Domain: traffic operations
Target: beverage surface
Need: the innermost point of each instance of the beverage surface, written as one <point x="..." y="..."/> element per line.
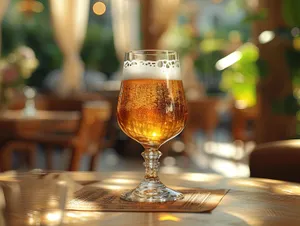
<point x="151" y="111"/>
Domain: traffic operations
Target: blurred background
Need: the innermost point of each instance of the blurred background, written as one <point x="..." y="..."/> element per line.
<point x="61" y="62"/>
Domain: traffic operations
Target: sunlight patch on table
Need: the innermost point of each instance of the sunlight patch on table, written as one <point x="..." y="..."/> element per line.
<point x="169" y="217"/>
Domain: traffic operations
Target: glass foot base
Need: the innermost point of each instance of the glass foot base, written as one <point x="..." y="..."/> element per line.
<point x="152" y="190"/>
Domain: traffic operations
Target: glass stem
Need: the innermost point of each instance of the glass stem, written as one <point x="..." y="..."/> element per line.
<point x="151" y="157"/>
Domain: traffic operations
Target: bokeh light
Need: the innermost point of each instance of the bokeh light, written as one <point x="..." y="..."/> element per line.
<point x="228" y="60"/>
<point x="178" y="146"/>
<point x="99" y="8"/>
<point x="169" y="161"/>
<point x="31" y="6"/>
<point x="169" y="217"/>
<point x="266" y="36"/>
<point x="295" y="31"/>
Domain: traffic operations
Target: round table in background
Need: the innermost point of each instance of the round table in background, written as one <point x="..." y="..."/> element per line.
<point x="249" y="201"/>
<point x="14" y="124"/>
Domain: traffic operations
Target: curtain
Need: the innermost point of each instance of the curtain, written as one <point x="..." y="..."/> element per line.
<point x="69" y="20"/>
<point x="163" y="15"/>
<point x="3" y="7"/>
<point x="157" y="16"/>
<point x="125" y="21"/>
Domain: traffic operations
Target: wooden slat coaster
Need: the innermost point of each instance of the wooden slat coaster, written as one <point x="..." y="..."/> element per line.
<point x="99" y="199"/>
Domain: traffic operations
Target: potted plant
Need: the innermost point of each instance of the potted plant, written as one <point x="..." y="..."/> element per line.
<point x="15" y="69"/>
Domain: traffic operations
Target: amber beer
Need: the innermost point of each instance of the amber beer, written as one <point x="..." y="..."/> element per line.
<point x="151" y="111"/>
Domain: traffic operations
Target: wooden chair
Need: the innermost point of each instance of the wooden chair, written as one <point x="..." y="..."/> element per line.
<point x="11" y="140"/>
<point x="27" y="148"/>
<point x="202" y="114"/>
<point x="88" y="139"/>
<point x="240" y="120"/>
<point x="113" y="130"/>
<point x="276" y="160"/>
<point x="56" y="103"/>
<point x="91" y="135"/>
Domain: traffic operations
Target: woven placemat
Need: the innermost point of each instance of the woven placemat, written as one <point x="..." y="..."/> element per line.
<point x="99" y="199"/>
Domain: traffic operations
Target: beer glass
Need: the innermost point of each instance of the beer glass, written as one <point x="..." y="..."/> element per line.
<point x="151" y="110"/>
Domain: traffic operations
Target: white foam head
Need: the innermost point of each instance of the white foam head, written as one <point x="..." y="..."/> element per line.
<point x="160" y="69"/>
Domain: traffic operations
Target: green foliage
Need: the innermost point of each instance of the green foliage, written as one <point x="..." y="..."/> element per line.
<point x="240" y="79"/>
<point x="293" y="59"/>
<point x="286" y="106"/>
<point x="262" y="67"/>
<point x="205" y="63"/>
<point x="290" y="12"/>
<point x="290" y="105"/>
<point x="180" y="39"/>
<point x="98" y="51"/>
<point x="255" y="16"/>
<point x="298" y="128"/>
<point x="211" y="45"/>
<point x="35" y="33"/>
<point x="235" y="6"/>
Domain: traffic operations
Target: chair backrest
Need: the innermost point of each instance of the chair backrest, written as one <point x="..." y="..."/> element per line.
<point x="91" y="134"/>
<point x="55" y="103"/>
<point x="240" y="120"/>
<point x="202" y="114"/>
<point x="276" y="160"/>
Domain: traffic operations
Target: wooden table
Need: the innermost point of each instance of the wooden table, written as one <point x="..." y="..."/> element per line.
<point x="249" y="201"/>
<point x="40" y="115"/>
<point x="14" y="123"/>
<point x="16" y="127"/>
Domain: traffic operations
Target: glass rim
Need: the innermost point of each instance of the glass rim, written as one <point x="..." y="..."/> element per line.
<point x="152" y="52"/>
